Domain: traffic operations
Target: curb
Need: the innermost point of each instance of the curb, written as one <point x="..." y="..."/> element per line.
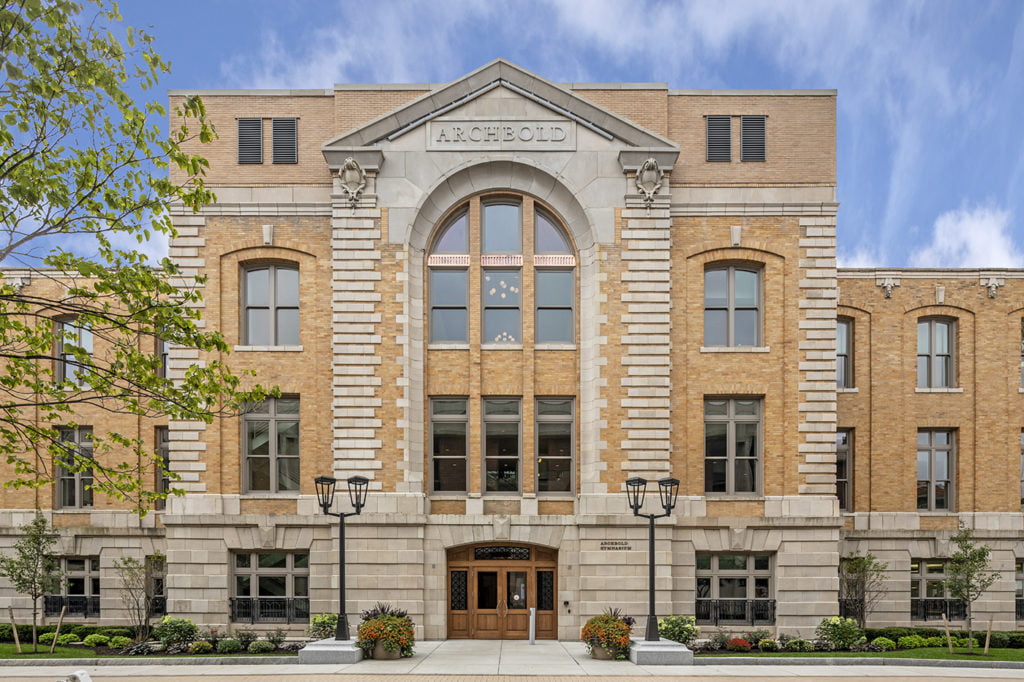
<point x="152" y="660"/>
<point x="810" y="660"/>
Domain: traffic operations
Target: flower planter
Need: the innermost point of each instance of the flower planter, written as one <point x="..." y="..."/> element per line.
<point x="382" y="654"/>
<point x="600" y="653"/>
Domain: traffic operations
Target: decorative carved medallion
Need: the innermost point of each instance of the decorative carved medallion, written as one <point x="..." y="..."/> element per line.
<point x="353" y="180"/>
<point x="992" y="284"/>
<point x="648" y="181"/>
<point x="888" y="284"/>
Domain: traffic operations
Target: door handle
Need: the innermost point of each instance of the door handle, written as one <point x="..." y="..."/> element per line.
<point x="502" y="609"/>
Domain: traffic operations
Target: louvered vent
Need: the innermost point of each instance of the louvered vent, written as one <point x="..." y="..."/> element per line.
<point x="286" y="140"/>
<point x="719" y="138"/>
<point x="753" y="138"/>
<point x="250" y="140"/>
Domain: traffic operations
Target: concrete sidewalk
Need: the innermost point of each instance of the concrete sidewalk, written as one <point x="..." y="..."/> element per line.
<point x="470" y="660"/>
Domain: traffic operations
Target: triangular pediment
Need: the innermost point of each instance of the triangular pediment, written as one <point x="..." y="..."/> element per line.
<point x="471" y="92"/>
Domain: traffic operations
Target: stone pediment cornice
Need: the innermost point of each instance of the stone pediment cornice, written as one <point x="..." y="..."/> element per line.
<point x="498" y="73"/>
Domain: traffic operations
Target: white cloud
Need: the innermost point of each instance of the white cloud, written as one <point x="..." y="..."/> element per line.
<point x="971" y="237"/>
<point x="859" y="258"/>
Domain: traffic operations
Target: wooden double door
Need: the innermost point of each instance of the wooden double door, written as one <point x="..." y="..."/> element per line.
<point x="491" y="589"/>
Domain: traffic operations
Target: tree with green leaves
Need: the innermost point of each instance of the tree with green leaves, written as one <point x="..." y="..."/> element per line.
<point x="33" y="570"/>
<point x="136" y="590"/>
<point x="968" y="575"/>
<point x="861" y="584"/>
<point x="84" y="170"/>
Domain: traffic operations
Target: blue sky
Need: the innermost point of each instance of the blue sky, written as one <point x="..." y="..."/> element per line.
<point x="930" y="155"/>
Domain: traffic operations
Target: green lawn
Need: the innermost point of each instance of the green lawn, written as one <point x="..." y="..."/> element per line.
<point x="8" y="651"/>
<point x="926" y="653"/>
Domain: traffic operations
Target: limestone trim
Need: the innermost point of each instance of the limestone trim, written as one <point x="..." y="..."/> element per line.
<point x="448" y="192"/>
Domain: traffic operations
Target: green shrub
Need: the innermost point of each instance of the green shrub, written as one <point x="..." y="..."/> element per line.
<point x="176" y="631"/>
<point x="757" y="635"/>
<point x="323" y="625"/>
<point x="910" y="642"/>
<point x="768" y="645"/>
<point x="797" y="644"/>
<point x="46" y="638"/>
<point x="1016" y="640"/>
<point x="841" y="633"/>
<point x="84" y="631"/>
<point x="718" y="641"/>
<point x="96" y="640"/>
<point x="229" y="646"/>
<point x="69" y="638"/>
<point x="200" y="647"/>
<point x="276" y="637"/>
<point x="117" y="632"/>
<point x="680" y="629"/>
<point x="884" y="643"/>
<point x="117" y="642"/>
<point x="246" y="637"/>
<point x="1000" y="640"/>
<point x="261" y="647"/>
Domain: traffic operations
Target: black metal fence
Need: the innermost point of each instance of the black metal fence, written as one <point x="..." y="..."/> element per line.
<point x="934" y="609"/>
<point x="735" y="611"/>
<point x="269" y="610"/>
<point x="83" y="607"/>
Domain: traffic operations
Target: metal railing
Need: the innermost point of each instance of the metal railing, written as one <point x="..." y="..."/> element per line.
<point x="934" y="609"/>
<point x="269" y="609"/>
<point x="84" y="607"/>
<point x="746" y="611"/>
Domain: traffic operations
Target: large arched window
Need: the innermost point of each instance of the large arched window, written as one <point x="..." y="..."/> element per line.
<point x="270" y="305"/>
<point x="485" y="241"/>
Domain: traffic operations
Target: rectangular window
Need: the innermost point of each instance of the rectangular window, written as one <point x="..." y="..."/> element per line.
<point x="936" y="460"/>
<point x="449" y="434"/>
<point x="844" y="469"/>
<point x="250" y="140"/>
<point x="163" y="453"/>
<point x="502" y="228"/>
<point x="163" y="350"/>
<point x="719" y="129"/>
<point x="929" y="597"/>
<point x="734" y="588"/>
<point x="80" y="589"/>
<point x="501" y="444"/>
<point x="732" y="448"/>
<point x="1022" y="470"/>
<point x="935" y="344"/>
<point x="502" y="293"/>
<point x="270" y="587"/>
<point x="271" y="442"/>
<point x="74" y="476"/>
<point x="156" y="584"/>
<point x="74" y="352"/>
<point x="449" y="311"/>
<point x="1018" y="577"/>
<point x="271" y="305"/>
<point x="844" y="353"/>
<point x="555" y="438"/>
<point x="286" y="140"/>
<point x="555" y="293"/>
<point x="753" y="138"/>
<point x="732" y="303"/>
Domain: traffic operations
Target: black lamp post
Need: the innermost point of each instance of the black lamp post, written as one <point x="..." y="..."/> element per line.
<point x="357" y="487"/>
<point x="636" y="491"/>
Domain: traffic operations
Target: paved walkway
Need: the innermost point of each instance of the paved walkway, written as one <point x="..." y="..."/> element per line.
<point x="498" y="661"/>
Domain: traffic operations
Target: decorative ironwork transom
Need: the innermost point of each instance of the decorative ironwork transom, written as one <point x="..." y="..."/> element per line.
<point x="458" y="590"/>
<point x="502" y="552"/>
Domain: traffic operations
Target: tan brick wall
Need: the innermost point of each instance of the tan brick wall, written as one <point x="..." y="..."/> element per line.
<point x="887" y="410"/>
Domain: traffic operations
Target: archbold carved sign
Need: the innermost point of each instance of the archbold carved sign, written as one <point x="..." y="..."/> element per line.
<point x="500" y="134"/>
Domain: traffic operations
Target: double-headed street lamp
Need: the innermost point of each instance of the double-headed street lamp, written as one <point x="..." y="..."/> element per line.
<point x="636" y="490"/>
<point x="357" y="487"/>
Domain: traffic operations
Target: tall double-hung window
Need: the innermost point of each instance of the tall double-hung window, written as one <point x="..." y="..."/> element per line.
<point x="74" y="476"/>
<point x="270" y="315"/>
<point x="74" y="351"/>
<point x="935" y="352"/>
<point x="271" y="442"/>
<point x="732" y="305"/>
<point x="732" y="449"/>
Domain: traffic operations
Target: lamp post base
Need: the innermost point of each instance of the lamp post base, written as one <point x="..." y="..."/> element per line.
<point x="341" y="631"/>
<point x="662" y="652"/>
<point x="651" y="632"/>
<point x="331" y="651"/>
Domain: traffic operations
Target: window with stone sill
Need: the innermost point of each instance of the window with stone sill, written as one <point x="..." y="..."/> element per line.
<point x="449" y="434"/>
<point x="732" y="305"/>
<point x="732" y="450"/>
<point x="936" y="344"/>
<point x="1022" y="470"/>
<point x="734" y="587"/>
<point x="74" y="351"/>
<point x="494" y="255"/>
<point x="270" y="305"/>
<point x="929" y="594"/>
<point x="844" y="353"/>
<point x="555" y="439"/>
<point x="271" y="446"/>
<point x="502" y="445"/>
<point x="74" y="481"/>
<point x="936" y="462"/>
<point x="80" y="588"/>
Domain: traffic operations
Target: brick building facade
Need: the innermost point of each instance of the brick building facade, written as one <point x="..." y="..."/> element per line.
<point x="500" y="298"/>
